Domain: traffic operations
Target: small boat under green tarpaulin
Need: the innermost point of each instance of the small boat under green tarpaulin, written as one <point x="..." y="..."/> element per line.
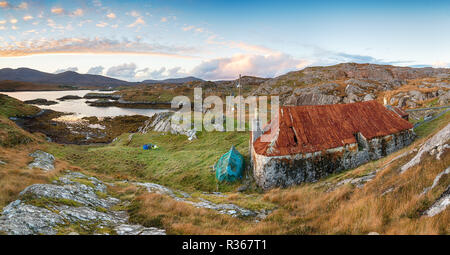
<point x="230" y="166"/>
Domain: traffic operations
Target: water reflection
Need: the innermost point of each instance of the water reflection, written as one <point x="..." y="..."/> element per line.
<point x="79" y="107"/>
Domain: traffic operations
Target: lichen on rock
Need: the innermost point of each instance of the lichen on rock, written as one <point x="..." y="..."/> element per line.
<point x="42" y="160"/>
<point x="74" y="199"/>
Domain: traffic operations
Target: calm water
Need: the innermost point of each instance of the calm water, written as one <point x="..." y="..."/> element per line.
<point x="79" y="107"/>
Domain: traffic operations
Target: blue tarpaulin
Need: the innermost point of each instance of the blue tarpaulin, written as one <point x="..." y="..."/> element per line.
<point x="149" y="146"/>
<point x="230" y="166"/>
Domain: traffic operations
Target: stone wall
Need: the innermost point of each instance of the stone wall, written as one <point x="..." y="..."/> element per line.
<point x="284" y="171"/>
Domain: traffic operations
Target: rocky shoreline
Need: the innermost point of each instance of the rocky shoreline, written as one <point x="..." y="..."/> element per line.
<point x="129" y="104"/>
<point x="65" y="129"/>
<point x="41" y="101"/>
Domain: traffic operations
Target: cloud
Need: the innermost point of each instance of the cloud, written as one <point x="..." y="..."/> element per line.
<point x="139" y="21"/>
<point x="2" y="22"/>
<point x="440" y="64"/>
<point x="84" y="22"/>
<point x="102" y="24"/>
<point x="4" y="4"/>
<point x="51" y="23"/>
<point x="72" y="69"/>
<point x="216" y="69"/>
<point x="159" y="74"/>
<point x="96" y="70"/>
<point x="78" y="12"/>
<point x="188" y="28"/>
<point x="31" y="31"/>
<point x="57" y="10"/>
<point x="130" y="71"/>
<point x="60" y="11"/>
<point x="257" y="65"/>
<point x="322" y="57"/>
<point x="111" y="15"/>
<point x="249" y="48"/>
<point x="135" y="14"/>
<point x="13" y="21"/>
<point x="27" y="17"/>
<point x="193" y="28"/>
<point x="163" y="19"/>
<point x="122" y="71"/>
<point x="8" y="5"/>
<point x="23" y="5"/>
<point x="93" y="46"/>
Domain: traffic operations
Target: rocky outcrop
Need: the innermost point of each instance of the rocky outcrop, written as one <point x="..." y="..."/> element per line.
<point x="351" y="98"/>
<point x="102" y="96"/>
<point x="436" y="180"/>
<point x="40" y="101"/>
<point x="164" y="122"/>
<point x="437" y="144"/>
<point x="351" y="89"/>
<point x="440" y="205"/>
<point x="317" y="95"/>
<point x="413" y="98"/>
<point x="368" y="97"/>
<point x="69" y="97"/>
<point x="19" y="218"/>
<point x="312" y="99"/>
<point x="444" y="98"/>
<point x="42" y="160"/>
<point x="359" y="182"/>
<point x="365" y="84"/>
<point x="360" y="80"/>
<point x="229" y="209"/>
<point x="74" y="199"/>
<point x="126" y="229"/>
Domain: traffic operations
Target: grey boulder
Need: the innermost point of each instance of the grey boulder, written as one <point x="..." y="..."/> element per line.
<point x="42" y="160"/>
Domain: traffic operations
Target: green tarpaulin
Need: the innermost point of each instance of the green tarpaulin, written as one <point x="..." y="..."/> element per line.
<point x="230" y="166"/>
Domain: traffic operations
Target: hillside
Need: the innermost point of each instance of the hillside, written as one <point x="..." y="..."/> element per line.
<point x="350" y="82"/>
<point x="344" y="83"/>
<point x="398" y="194"/>
<point x="30" y="86"/>
<point x="68" y="78"/>
<point x="173" y="80"/>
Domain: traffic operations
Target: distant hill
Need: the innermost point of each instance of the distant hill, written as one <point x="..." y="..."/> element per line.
<point x="174" y="80"/>
<point x="245" y="81"/>
<point x="68" y="78"/>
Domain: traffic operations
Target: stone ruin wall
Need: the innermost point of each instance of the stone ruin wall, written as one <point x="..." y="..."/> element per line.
<point x="283" y="171"/>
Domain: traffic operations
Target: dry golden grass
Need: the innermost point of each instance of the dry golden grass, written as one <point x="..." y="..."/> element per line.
<point x="310" y="209"/>
<point x="15" y="175"/>
<point x="155" y="210"/>
<point x="349" y="210"/>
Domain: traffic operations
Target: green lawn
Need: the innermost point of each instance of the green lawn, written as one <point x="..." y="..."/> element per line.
<point x="430" y="127"/>
<point x="179" y="163"/>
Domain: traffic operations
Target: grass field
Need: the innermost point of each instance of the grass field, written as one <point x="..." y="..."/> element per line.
<point x="178" y="163"/>
<point x="389" y="204"/>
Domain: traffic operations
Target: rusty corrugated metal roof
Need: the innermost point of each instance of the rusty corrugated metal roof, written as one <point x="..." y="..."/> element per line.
<point x="400" y="111"/>
<point x="311" y="128"/>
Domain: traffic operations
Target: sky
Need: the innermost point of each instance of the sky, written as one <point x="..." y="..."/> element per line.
<point x="214" y="40"/>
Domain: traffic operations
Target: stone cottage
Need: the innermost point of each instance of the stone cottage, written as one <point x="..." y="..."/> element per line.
<point x="314" y="141"/>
